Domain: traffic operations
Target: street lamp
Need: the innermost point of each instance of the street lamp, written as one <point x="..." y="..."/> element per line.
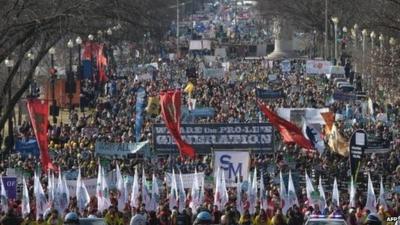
<point x="78" y="42"/>
<point x="53" y="108"/>
<point x="10" y="64"/>
<point x="381" y="40"/>
<point x="372" y="35"/>
<point x="335" y="21"/>
<point x="314" y="43"/>
<point x="354" y="34"/>
<point x="30" y="57"/>
<point x="392" y="43"/>
<point x="90" y="37"/>
<point x="109" y="32"/>
<point x="70" y="75"/>
<point x="364" y="33"/>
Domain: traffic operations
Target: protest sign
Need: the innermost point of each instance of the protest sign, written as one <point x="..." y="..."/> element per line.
<point x="213" y="73"/>
<point x="90" y="184"/>
<point x="10" y="184"/>
<point x="269" y="94"/>
<point x="90" y="131"/>
<point x="233" y="164"/>
<point x="317" y="66"/>
<point x="285" y="66"/>
<point x="341" y="96"/>
<point x="121" y="150"/>
<point x="27" y="148"/>
<point x="357" y="145"/>
<point x="187" y="179"/>
<point x="295" y="115"/>
<point x="203" y="137"/>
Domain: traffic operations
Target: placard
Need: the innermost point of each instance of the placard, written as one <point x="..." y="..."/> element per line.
<point x="205" y="137"/>
<point x="233" y="164"/>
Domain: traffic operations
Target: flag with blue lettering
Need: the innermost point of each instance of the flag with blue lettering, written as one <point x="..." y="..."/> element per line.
<point x="140" y="104"/>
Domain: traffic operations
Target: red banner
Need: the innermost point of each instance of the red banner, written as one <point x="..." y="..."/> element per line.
<point x="290" y="133"/>
<point x="39" y="113"/>
<point x="171" y="113"/>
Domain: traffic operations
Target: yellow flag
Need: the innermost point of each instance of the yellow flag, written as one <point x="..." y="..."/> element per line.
<point x="189" y="88"/>
<point x="337" y="142"/>
<point x="153" y="106"/>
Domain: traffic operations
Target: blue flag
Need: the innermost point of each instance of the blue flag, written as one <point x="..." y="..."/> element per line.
<point x="140" y="104"/>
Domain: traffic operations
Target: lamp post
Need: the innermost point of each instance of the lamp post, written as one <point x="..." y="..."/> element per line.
<point x="70" y="75"/>
<point x="91" y="38"/>
<point x="30" y="57"/>
<point x="364" y="34"/>
<point x="314" y="43"/>
<point x="392" y="43"/>
<point x="381" y="41"/>
<point x="10" y="64"/>
<point x="78" y="42"/>
<point x="177" y="28"/>
<point x="52" y="51"/>
<point x="372" y="35"/>
<point x="354" y="34"/>
<point x="335" y="21"/>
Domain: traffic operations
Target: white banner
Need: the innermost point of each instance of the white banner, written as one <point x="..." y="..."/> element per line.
<point x="233" y="164"/>
<point x="295" y="115"/>
<point x="187" y="179"/>
<point x="317" y="67"/>
<point x="89" y="183"/>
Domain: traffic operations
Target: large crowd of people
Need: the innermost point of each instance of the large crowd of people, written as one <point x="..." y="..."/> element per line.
<point x="111" y="111"/>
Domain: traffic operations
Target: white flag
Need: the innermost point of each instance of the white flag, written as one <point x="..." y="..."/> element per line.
<point x="155" y="194"/>
<point x="292" y="192"/>
<point x="121" y="189"/>
<point x="309" y="190"/>
<point x="253" y="193"/>
<point x="182" y="194"/>
<point x="335" y="194"/>
<point x="322" y="199"/>
<point x="3" y="197"/>
<point x="61" y="195"/>
<point x="195" y="193"/>
<point x="239" y="203"/>
<point x="102" y="191"/>
<point x="352" y="193"/>
<point x="82" y="195"/>
<point x="50" y="186"/>
<point x="217" y="194"/>
<point x="25" y="204"/>
<point x="263" y="194"/>
<point x="145" y="192"/>
<point x="371" y="199"/>
<point x="41" y="201"/>
<point x="135" y="190"/>
<point x="283" y="194"/>
<point x="224" y="191"/>
<point x="173" y="196"/>
<point x="191" y="104"/>
<point x="382" y="200"/>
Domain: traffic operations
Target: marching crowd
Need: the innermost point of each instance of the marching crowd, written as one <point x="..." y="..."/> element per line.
<point x="110" y="110"/>
<point x="234" y="101"/>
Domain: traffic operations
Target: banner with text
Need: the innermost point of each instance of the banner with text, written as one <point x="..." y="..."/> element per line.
<point x="269" y="94"/>
<point x="295" y="115"/>
<point x="121" y="150"/>
<point x="317" y="66"/>
<point x="10" y="184"/>
<point x="27" y="148"/>
<point x="204" y="137"/>
<point x="233" y="164"/>
<point x="187" y="179"/>
<point x="90" y="184"/>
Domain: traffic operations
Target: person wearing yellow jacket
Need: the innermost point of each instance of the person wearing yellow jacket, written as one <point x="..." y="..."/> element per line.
<point x="112" y="218"/>
<point x="262" y="219"/>
<point x="245" y="219"/>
